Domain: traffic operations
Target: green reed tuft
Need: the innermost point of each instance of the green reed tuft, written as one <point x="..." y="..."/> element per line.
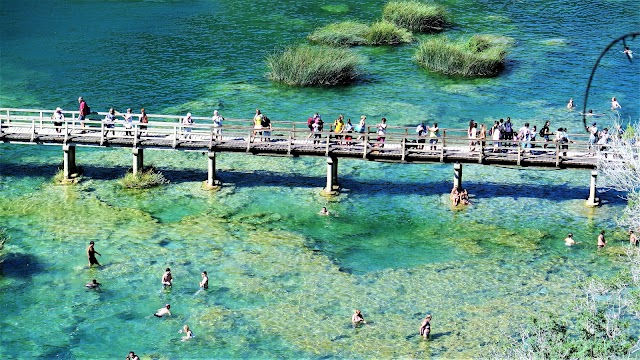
<point x="386" y="33"/>
<point x="346" y="33"/>
<point x="147" y="178"/>
<point x="305" y="65"/>
<point x="480" y="55"/>
<point x="416" y="16"/>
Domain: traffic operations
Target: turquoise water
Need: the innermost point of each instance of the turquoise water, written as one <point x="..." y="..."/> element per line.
<point x="283" y="280"/>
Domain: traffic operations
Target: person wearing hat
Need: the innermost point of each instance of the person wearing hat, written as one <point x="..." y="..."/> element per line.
<point x="187" y="121"/>
<point x="58" y="119"/>
<point x="91" y="254"/>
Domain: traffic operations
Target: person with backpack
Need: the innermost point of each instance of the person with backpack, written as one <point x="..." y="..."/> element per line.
<point x="508" y="131"/>
<point x="266" y="128"/>
<point x="545" y="132"/>
<point x="83" y="111"/>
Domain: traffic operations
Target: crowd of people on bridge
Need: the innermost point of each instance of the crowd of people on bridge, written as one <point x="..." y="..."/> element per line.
<point x="502" y="134"/>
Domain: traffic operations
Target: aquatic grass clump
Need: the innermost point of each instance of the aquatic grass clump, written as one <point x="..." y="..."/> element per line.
<point x="4" y="237"/>
<point x="416" y="16"/>
<point x="346" y="33"/>
<point x="305" y="65"/>
<point x="480" y="55"/>
<point x="59" y="179"/>
<point x="386" y="33"/>
<point x="147" y="178"/>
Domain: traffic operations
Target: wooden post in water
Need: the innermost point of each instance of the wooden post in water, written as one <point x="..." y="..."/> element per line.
<point x="69" y="160"/>
<point x="457" y="176"/>
<point x="212" y="182"/>
<point x="332" y="175"/>
<point x="593" y="200"/>
<point x="138" y="160"/>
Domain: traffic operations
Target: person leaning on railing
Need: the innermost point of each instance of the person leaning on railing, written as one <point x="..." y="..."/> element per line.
<point x="562" y="139"/>
<point x="58" y="119"/>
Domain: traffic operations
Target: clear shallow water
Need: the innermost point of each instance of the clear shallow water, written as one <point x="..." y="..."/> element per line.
<point x="284" y="281"/>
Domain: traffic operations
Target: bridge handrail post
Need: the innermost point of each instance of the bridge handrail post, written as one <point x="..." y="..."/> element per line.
<point x="365" y="143"/>
<point x="326" y="150"/>
<point x="41" y="116"/>
<point x="518" y="144"/>
<point x="557" y="154"/>
<point x="290" y="140"/>
<point x="210" y="139"/>
<point x="136" y="134"/>
<point x="481" y="154"/>
<point x="102" y="133"/>
<point x="1" y="131"/>
<point x="33" y="129"/>
<point x="249" y="140"/>
<point x="66" y="132"/>
<point x="175" y="136"/>
<point x="403" y="146"/>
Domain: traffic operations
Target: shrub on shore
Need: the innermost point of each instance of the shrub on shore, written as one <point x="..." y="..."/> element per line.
<point x="147" y="178"/>
<point x="480" y="55"/>
<point x="386" y="33"/>
<point x="306" y="65"/>
<point x="346" y="33"/>
<point x="416" y="16"/>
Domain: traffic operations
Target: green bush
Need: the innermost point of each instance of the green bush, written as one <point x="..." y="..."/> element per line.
<point x="480" y="55"/>
<point x="416" y="16"/>
<point x="346" y="33"/>
<point x="147" y="178"/>
<point x="306" y="65"/>
<point x="386" y="33"/>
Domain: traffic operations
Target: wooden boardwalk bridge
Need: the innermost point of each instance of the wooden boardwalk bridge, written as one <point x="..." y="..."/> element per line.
<point x="285" y="138"/>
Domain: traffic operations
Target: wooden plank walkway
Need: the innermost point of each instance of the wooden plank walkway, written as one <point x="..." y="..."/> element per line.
<point x="401" y="144"/>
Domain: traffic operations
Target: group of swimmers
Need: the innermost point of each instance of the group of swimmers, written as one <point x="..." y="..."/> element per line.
<point x="357" y="319"/>
<point x="458" y="196"/>
<point x="601" y="241"/>
<point x="166" y="281"/>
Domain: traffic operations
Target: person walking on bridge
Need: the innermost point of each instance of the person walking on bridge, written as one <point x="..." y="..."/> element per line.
<point x="58" y="119"/>
<point x="217" y="124"/>
<point x="83" y="111"/>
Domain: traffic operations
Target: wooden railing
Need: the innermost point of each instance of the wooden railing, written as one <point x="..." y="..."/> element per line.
<point x="292" y="138"/>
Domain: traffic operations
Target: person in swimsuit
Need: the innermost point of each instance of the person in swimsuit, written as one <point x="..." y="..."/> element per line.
<point x="614" y="104"/>
<point x="569" y="240"/>
<point x="188" y="334"/>
<point x="163" y="311"/>
<point x="93" y="284"/>
<point x="324" y="211"/>
<point x="570" y="105"/>
<point x="91" y="254"/>
<point x="633" y="238"/>
<point x="205" y="281"/>
<point x="425" y="328"/>
<point x="132" y="356"/>
<point x="357" y="318"/>
<point x="167" y="278"/>
<point x="602" y="242"/>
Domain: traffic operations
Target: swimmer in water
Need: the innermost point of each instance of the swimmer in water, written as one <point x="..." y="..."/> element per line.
<point x="569" y="240"/>
<point x="188" y="334"/>
<point x="614" y="104"/>
<point x="628" y="52"/>
<point x="91" y="254"/>
<point x="324" y="211"/>
<point x="570" y="105"/>
<point x="425" y="328"/>
<point x="93" y="284"/>
<point x="357" y="318"/>
<point x="163" y="311"/>
<point x="601" y="240"/>
<point x="132" y="356"/>
<point x="205" y="281"/>
<point x="167" y="278"/>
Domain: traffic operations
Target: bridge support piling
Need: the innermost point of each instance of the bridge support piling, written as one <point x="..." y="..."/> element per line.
<point x="593" y="200"/>
<point x="212" y="182"/>
<point x="457" y="176"/>
<point x="332" y="176"/>
<point x="69" y="160"/>
<point x="138" y="160"/>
